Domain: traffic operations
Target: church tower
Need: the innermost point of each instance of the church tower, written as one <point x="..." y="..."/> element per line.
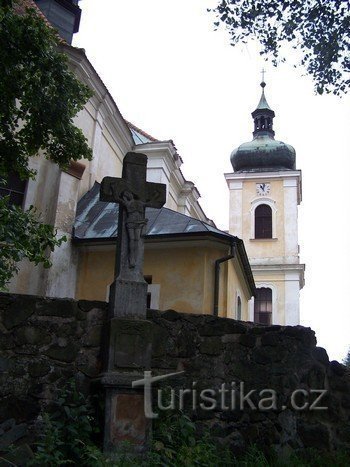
<point x="265" y="191"/>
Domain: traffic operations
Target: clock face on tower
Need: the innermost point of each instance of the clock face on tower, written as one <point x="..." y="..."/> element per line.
<point x="263" y="189"/>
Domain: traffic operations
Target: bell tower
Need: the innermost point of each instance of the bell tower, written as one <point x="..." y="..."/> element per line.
<point x="64" y="15"/>
<point x="265" y="191"/>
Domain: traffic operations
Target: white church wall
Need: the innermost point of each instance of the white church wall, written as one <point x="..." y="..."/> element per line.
<point x="291" y="220"/>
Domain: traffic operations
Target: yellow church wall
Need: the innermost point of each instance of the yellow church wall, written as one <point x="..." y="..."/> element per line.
<point x="95" y="274"/>
<point x="185" y="276"/>
<point x="237" y="287"/>
<point x="181" y="276"/>
<point x="263" y="248"/>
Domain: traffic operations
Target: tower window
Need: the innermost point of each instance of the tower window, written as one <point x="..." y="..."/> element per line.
<point x="15" y="188"/>
<point x="263" y="221"/>
<point x="239" y="308"/>
<point x="263" y="306"/>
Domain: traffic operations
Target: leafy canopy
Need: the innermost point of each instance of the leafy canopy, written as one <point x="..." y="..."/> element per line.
<point x="318" y="28"/>
<point x="39" y="98"/>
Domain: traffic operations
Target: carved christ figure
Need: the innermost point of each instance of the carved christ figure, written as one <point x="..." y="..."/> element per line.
<point x="135" y="221"/>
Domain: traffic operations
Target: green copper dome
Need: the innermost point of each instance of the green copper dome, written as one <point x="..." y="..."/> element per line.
<point x="263" y="153"/>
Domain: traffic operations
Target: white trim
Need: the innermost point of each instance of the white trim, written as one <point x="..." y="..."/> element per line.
<point x="154" y="290"/>
<point x="236" y="214"/>
<point x="263" y="175"/>
<point x="257" y="202"/>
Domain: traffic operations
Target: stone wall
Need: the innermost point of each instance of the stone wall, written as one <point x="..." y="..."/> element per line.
<point x="44" y="342"/>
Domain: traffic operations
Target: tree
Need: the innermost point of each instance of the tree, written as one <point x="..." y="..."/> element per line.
<point x="347" y="359"/>
<point x="39" y="98"/>
<point x="318" y="28"/>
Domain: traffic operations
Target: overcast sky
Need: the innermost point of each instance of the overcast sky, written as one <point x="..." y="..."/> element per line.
<point x="174" y="77"/>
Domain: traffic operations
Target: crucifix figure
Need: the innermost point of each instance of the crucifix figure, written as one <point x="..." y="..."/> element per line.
<point x="135" y="220"/>
<point x="134" y="194"/>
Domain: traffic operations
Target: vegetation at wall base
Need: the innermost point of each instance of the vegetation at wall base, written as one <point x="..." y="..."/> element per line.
<point x="69" y="438"/>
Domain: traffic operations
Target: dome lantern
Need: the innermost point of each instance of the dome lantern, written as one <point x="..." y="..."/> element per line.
<point x="263" y="153"/>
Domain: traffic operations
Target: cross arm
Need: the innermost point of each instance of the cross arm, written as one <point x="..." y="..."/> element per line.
<point x="155" y="195"/>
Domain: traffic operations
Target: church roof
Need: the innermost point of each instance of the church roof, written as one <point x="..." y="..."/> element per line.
<point x="140" y="136"/>
<point x="263" y="153"/>
<point x="96" y="222"/>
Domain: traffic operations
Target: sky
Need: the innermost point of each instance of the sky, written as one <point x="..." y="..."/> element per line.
<point x="176" y="78"/>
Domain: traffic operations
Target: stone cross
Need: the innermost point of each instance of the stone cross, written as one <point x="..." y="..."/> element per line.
<point x="129" y="340"/>
<point x="134" y="194"/>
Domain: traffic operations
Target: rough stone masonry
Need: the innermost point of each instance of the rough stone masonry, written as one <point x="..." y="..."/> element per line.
<point x="44" y="342"/>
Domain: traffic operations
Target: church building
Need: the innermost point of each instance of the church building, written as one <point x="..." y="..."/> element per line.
<point x="265" y="191"/>
<point x="190" y="265"/>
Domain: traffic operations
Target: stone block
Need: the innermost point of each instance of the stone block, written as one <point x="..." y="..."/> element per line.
<point x="59" y="308"/>
<point x="32" y="335"/>
<point x="18" y="311"/>
<point x="93" y="336"/>
<point x="67" y="353"/>
<point x="313" y="435"/>
<point x="87" y="305"/>
<point x="125" y="421"/>
<point x="18" y="457"/>
<point x="270" y="339"/>
<point x="337" y="368"/>
<point x="247" y="340"/>
<point x="130" y="344"/>
<point x="320" y="355"/>
<point x="38" y="369"/>
<point x="10" y="432"/>
<point x="211" y="346"/>
<point x="171" y="315"/>
<point x="222" y="326"/>
<point x="160" y="338"/>
<point x="120" y="304"/>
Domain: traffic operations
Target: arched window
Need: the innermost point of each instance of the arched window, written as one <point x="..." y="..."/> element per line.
<point x="263" y="221"/>
<point x="239" y="308"/>
<point x="263" y="306"/>
<point x="13" y="187"/>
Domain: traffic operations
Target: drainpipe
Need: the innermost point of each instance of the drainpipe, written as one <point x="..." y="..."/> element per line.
<point x="217" y="277"/>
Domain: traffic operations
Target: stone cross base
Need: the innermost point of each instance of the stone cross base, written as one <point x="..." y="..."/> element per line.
<point x="126" y="426"/>
<point x="128" y="355"/>
<point x="128" y="298"/>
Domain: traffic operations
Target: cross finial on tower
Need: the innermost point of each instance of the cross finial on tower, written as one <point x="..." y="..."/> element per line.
<point x="263" y="84"/>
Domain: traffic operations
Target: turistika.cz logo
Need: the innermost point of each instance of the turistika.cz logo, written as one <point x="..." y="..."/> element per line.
<point x="229" y="396"/>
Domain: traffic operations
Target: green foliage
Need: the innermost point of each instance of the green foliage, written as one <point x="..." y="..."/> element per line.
<point x="347" y="359"/>
<point x="67" y="439"/>
<point x="318" y="28"/>
<point x="39" y="96"/>
<point x="23" y="236"/>
<point x="175" y="443"/>
<point x="68" y="432"/>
